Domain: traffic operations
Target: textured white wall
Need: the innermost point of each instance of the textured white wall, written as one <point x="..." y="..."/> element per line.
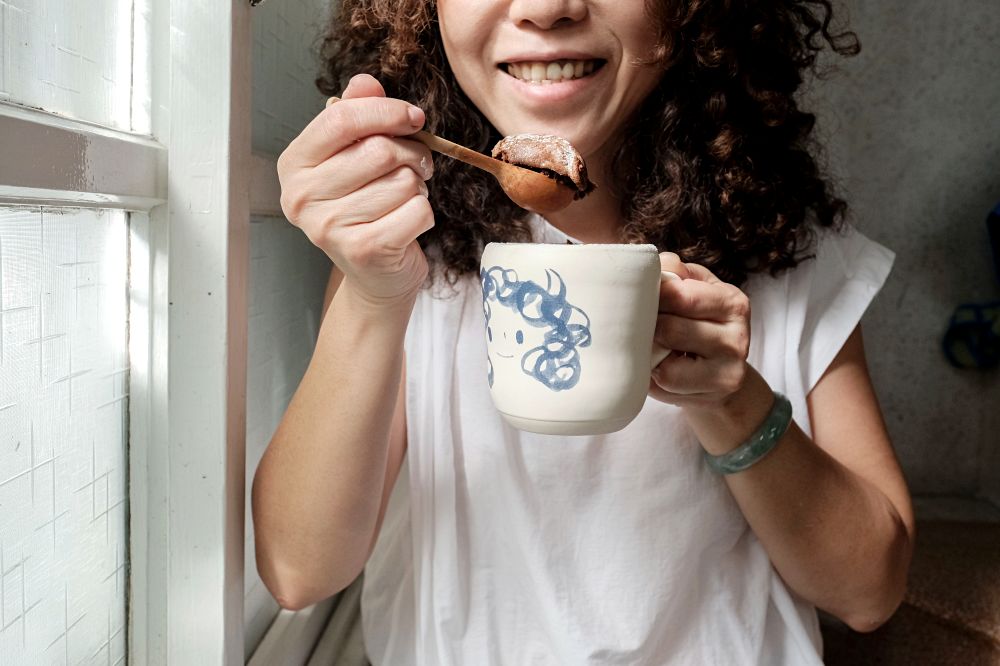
<point x="913" y="129"/>
<point x="63" y="402"/>
<point x="284" y="67"/>
<point x="287" y="273"/>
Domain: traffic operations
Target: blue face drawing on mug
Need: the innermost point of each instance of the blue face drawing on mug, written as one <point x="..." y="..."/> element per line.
<point x="548" y="330"/>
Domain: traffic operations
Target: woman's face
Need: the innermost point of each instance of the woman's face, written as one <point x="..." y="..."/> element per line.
<point x="564" y="67"/>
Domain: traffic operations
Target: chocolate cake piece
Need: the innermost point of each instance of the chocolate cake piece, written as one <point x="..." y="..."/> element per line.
<point x="552" y="155"/>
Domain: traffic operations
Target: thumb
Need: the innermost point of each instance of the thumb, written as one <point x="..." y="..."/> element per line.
<point x="363" y="85"/>
<point x="672" y="263"/>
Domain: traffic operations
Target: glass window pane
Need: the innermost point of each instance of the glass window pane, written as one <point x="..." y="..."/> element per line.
<point x="63" y="433"/>
<point x="75" y="58"/>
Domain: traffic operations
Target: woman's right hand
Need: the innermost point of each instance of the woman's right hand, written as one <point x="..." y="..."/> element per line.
<point x="355" y="186"/>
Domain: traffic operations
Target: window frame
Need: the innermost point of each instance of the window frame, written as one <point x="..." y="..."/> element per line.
<point x="188" y="264"/>
<point x="188" y="408"/>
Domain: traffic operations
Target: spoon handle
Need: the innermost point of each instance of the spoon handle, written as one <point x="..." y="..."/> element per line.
<point x="459" y="152"/>
<point x="451" y="149"/>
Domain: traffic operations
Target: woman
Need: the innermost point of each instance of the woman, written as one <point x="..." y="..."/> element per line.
<point x="482" y="544"/>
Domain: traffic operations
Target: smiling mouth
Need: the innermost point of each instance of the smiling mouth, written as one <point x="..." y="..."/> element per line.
<point x="505" y="355"/>
<point x="548" y="72"/>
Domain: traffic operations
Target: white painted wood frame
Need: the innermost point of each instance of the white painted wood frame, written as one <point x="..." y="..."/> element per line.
<point x="187" y="345"/>
<point x="188" y="348"/>
<point x="52" y="160"/>
<point x="292" y="637"/>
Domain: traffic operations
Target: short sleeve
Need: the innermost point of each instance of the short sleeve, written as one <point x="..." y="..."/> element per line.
<point x="832" y="294"/>
<point x="801" y="318"/>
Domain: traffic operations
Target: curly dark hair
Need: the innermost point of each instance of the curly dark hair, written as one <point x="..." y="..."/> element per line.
<point x="717" y="163"/>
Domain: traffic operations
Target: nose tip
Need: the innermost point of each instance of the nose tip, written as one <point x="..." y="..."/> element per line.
<point x="548" y="14"/>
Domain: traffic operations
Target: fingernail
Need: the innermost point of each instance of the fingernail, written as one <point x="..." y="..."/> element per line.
<point x="416" y="116"/>
<point x="350" y="83"/>
<point x="426" y="169"/>
<point x="667" y="275"/>
<point x="423" y="189"/>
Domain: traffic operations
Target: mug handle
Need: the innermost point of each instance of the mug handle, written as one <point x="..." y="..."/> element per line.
<point x="660" y="353"/>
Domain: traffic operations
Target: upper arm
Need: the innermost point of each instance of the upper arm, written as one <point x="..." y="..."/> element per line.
<point x="853" y="431"/>
<point x="397" y="430"/>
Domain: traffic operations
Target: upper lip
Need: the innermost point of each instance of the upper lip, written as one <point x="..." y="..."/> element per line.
<point x="544" y="56"/>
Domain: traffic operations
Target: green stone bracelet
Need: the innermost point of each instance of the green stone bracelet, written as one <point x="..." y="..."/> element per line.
<point x="759" y="443"/>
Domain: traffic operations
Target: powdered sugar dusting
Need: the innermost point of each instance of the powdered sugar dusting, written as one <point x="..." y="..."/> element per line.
<point x="545" y="151"/>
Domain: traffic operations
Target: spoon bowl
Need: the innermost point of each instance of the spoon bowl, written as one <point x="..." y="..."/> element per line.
<point x="529" y="189"/>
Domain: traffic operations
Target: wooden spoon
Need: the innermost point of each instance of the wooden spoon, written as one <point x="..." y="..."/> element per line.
<point x="528" y="189"/>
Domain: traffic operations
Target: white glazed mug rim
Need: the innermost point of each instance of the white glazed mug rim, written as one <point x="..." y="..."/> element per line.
<point x="578" y="247"/>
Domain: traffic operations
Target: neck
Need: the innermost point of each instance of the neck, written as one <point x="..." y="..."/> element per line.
<point x="597" y="217"/>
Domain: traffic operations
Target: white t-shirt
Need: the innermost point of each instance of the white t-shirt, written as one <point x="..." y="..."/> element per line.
<point x="506" y="547"/>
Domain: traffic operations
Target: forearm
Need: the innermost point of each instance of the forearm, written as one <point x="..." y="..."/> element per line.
<point x="833" y="537"/>
<point x="318" y="488"/>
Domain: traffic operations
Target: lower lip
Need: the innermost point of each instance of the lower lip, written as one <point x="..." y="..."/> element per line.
<point x="549" y="93"/>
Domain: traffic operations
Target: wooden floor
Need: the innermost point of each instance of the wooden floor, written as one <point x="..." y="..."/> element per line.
<point x="951" y="614"/>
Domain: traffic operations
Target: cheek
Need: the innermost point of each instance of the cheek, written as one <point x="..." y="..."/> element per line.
<point x="452" y="39"/>
<point x="635" y="29"/>
<point x="454" y="35"/>
<point x="635" y="26"/>
<point x="465" y="29"/>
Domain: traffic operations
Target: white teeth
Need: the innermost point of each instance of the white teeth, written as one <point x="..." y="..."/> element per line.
<point x="550" y="72"/>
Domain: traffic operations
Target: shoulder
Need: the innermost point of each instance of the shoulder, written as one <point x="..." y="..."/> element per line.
<point x="805" y="315"/>
<point x="848" y="254"/>
<point x="836" y="259"/>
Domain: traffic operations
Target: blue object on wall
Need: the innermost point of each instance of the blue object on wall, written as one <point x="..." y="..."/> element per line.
<point x="993" y="228"/>
<point x="973" y="336"/>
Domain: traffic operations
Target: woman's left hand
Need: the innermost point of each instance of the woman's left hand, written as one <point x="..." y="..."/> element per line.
<point x="706" y="324"/>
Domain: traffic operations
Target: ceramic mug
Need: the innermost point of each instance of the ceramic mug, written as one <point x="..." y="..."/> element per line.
<point x="569" y="332"/>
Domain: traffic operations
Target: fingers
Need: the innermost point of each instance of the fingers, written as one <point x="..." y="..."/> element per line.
<point x="365" y="161"/>
<point x="368" y="245"/>
<point x="380" y="245"/>
<point x="340" y="125"/>
<point x="699" y="272"/>
<point x="386" y="214"/>
<point x="399" y="228"/>
<point x="709" y="321"/>
<point x="696" y="299"/>
<point x="377" y="198"/>
<point x="685" y="376"/>
<point x="363" y="85"/>
<point x="705" y="338"/>
<point x="672" y="263"/>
